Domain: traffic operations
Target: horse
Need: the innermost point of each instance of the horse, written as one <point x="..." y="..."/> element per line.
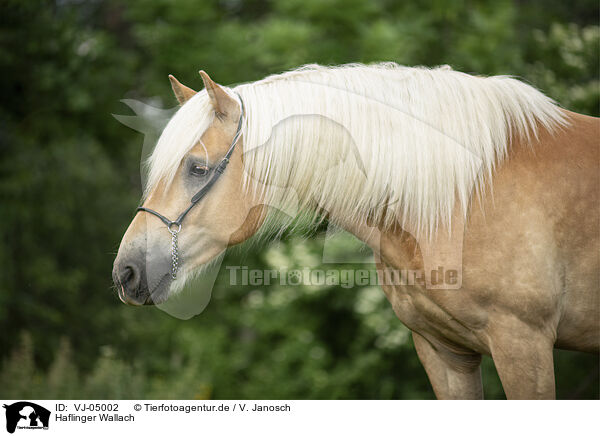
<point x="431" y="168"/>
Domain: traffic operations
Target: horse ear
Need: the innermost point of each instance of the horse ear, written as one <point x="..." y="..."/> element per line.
<point x="182" y="92"/>
<point x="222" y="103"/>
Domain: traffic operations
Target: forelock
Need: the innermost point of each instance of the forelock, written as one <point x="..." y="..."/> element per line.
<point x="182" y="132"/>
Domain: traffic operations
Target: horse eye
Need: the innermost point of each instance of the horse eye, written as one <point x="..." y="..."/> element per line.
<point x="199" y="170"/>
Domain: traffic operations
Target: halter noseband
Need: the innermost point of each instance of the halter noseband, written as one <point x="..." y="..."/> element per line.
<point x="174" y="227"/>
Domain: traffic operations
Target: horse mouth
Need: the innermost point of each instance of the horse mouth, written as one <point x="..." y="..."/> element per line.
<point x="122" y="293"/>
<point x="149" y="301"/>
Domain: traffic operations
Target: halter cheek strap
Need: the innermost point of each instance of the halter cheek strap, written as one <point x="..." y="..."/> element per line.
<point x="174" y="227"/>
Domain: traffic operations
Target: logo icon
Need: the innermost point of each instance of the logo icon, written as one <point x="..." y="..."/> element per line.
<point x="26" y="415"/>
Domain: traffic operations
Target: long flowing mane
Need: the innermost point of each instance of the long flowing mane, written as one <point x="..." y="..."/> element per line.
<point x="381" y="142"/>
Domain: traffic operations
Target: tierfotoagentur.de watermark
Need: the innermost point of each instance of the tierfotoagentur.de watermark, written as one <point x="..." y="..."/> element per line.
<point x="345" y="278"/>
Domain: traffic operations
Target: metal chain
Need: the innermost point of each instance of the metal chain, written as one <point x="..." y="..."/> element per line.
<point x="174" y="252"/>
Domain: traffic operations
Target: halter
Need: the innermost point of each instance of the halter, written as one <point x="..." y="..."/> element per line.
<point x="174" y="227"/>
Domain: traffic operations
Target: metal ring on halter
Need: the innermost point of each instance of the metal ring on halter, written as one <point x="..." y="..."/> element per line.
<point x="174" y="223"/>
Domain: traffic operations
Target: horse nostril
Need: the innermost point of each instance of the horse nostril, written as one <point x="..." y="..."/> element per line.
<point x="127" y="274"/>
<point x="129" y="277"/>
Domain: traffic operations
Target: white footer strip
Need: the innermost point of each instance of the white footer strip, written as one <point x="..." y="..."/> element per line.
<point x="297" y="417"/>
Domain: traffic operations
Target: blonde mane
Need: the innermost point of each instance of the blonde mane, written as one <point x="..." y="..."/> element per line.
<point x="380" y="142"/>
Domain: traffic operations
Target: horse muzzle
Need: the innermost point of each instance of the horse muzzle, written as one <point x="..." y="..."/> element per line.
<point x="131" y="282"/>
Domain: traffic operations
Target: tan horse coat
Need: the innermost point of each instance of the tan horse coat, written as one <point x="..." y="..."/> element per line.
<point x="530" y="272"/>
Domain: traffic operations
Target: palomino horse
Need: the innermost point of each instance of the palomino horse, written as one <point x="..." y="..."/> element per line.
<point x="481" y="176"/>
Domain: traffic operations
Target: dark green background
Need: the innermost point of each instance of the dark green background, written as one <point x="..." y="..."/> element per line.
<point x="69" y="181"/>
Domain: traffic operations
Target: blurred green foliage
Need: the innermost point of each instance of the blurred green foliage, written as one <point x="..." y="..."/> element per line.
<point x="69" y="181"/>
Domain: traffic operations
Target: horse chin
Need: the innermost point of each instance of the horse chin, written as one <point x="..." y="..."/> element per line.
<point x="161" y="291"/>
